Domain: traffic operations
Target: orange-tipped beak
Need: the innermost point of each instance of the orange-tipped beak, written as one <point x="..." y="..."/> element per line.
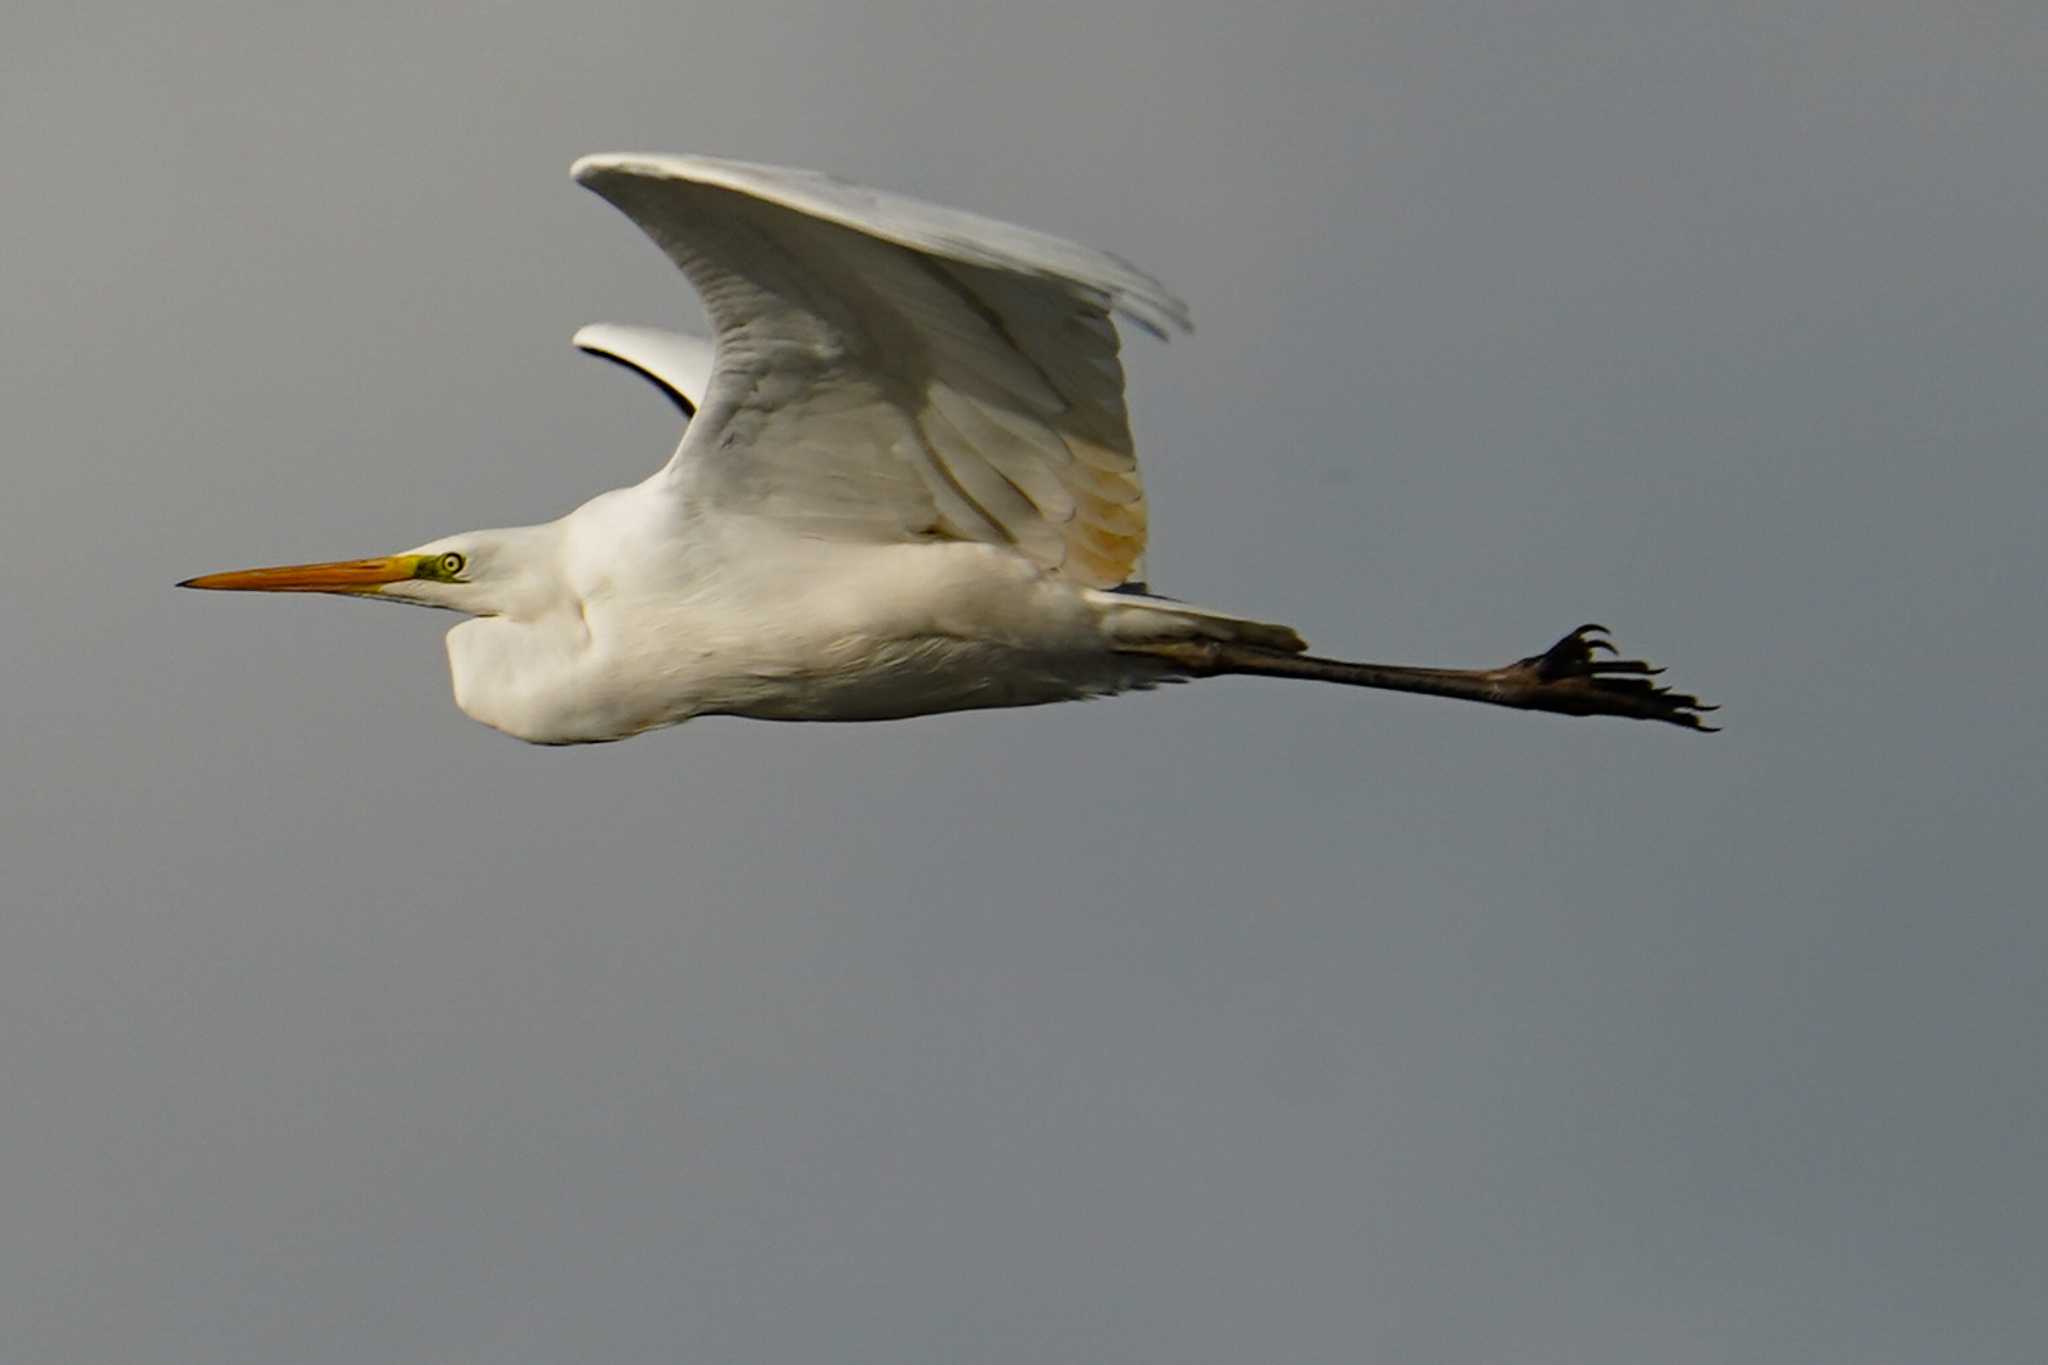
<point x="342" y="575"/>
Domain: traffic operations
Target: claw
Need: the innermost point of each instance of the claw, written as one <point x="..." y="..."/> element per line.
<point x="1570" y="678"/>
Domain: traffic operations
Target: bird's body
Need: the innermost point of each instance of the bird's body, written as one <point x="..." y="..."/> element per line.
<point x="649" y="617"/>
<point x="748" y="621"/>
<point x="908" y="486"/>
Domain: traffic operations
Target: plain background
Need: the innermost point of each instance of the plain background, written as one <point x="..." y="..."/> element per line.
<point x="1246" y="1022"/>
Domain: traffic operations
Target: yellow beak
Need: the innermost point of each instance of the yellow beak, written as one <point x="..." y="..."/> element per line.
<point x="341" y="575"/>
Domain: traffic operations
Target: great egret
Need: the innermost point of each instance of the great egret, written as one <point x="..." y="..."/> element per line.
<point x="910" y="487"/>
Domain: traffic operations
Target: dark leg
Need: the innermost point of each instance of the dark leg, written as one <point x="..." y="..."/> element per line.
<point x="1568" y="678"/>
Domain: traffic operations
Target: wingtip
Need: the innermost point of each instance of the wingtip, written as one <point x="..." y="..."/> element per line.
<point x="1142" y="298"/>
<point x="1164" y="320"/>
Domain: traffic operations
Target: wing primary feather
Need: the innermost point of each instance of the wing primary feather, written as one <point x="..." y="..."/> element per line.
<point x="914" y="223"/>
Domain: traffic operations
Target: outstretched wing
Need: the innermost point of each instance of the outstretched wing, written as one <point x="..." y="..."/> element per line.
<point x="889" y="370"/>
<point x="674" y="362"/>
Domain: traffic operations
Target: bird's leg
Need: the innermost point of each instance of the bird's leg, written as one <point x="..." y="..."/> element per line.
<point x="1570" y="678"/>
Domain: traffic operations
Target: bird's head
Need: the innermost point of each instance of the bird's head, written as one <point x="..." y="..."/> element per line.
<point x="483" y="573"/>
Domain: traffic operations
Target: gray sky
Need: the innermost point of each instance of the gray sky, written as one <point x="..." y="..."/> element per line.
<point x="1247" y="1022"/>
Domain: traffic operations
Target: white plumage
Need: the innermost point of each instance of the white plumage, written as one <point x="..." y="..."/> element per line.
<point x="909" y="486"/>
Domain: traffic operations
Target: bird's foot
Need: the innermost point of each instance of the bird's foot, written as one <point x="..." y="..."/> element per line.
<point x="1572" y="678"/>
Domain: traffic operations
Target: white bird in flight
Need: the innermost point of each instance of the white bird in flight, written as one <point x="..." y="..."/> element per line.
<point x="907" y="485"/>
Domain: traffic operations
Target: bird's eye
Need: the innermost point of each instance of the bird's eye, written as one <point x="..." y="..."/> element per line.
<point x="451" y="564"/>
